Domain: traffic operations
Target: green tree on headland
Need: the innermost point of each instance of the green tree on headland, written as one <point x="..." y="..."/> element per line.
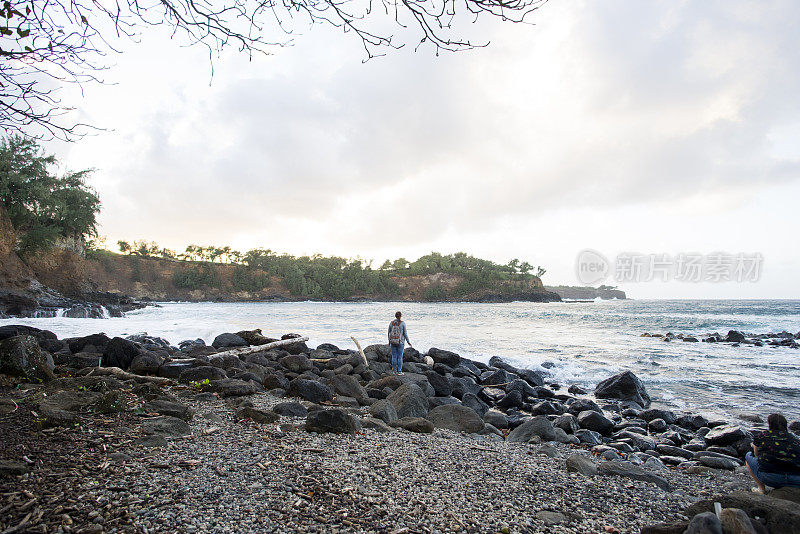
<point x="44" y="207"/>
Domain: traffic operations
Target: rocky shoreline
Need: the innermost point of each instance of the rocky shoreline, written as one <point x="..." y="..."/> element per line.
<point x="735" y="338"/>
<point x="136" y="435"/>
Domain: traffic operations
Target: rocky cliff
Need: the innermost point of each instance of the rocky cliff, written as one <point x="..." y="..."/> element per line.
<point x="587" y="293"/>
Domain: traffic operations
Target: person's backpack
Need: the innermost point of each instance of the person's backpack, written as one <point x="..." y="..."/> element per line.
<point x="394" y="333"/>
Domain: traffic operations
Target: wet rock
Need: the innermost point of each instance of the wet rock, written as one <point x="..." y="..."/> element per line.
<point x="22" y="356"/>
<point x="166" y="426"/>
<point x="538" y="426"/>
<point x="579" y="463"/>
<point x="654" y="413"/>
<point x="334" y="421"/>
<point x="384" y="410"/>
<point x="624" y="386"/>
<point x="410" y="401"/>
<point x="534" y="378"/>
<point x="493" y="378"/>
<point x="589" y="437"/>
<point x="576" y="390"/>
<point x="290" y="409"/>
<point x="457" y="418"/>
<point x="310" y="390"/>
<point x="734" y="336"/>
<point x="256" y="415"/>
<point x="628" y="470"/>
<point x="419" y="425"/>
<point x="167" y="407"/>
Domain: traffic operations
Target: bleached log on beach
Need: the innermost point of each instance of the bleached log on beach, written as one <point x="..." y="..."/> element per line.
<point x="261" y="348"/>
<point x="125" y="375"/>
<point x="360" y="351"/>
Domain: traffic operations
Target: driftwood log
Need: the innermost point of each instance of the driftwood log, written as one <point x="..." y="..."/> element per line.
<point x="261" y="348"/>
<point x="125" y="375"/>
<point x="360" y="351"/>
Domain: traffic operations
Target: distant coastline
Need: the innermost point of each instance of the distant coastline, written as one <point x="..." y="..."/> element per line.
<point x="587" y="292"/>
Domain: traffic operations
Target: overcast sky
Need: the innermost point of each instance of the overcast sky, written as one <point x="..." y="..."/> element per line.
<point x="647" y="127"/>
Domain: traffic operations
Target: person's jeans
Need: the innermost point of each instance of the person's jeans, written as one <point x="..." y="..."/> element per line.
<point x="397" y="357"/>
<point x="773" y="480"/>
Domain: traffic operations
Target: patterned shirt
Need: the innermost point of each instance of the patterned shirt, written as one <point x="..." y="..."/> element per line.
<point x="778" y="452"/>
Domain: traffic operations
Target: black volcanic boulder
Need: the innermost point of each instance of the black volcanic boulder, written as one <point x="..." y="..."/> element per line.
<point x="410" y="401"/>
<point x="22" y="356"/>
<point x="496" y="377"/>
<point x="440" y="384"/>
<point x="295" y="348"/>
<point x="726" y="435"/>
<point x="201" y="373"/>
<point x="623" y="386"/>
<point x="310" y="390"/>
<point x="457" y="418"/>
<point x="228" y="341"/>
<point x="451" y="359"/>
<point x="591" y="420"/>
<point x="13" y="330"/>
<point x="120" y="353"/>
<point x="734" y="336"/>
<point x="335" y="421"/>
<point x="538" y="426"/>
<point x="98" y="341"/>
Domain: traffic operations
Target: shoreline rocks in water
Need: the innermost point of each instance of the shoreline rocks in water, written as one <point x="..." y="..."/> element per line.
<point x="486" y="427"/>
<point x="735" y="338"/>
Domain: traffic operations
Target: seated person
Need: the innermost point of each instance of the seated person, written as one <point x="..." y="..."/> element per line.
<point x="775" y="460"/>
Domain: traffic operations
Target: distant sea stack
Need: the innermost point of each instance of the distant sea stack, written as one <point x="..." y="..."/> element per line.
<point x="587" y="293"/>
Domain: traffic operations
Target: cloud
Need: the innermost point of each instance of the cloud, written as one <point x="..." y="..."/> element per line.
<point x="600" y="105"/>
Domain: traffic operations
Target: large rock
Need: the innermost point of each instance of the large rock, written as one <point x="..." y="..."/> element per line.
<point x="310" y="390"/>
<point x="735" y="521"/>
<point x="290" y="409"/>
<point x="78" y="344"/>
<point x="228" y="341"/>
<point x="384" y="410"/>
<point x="538" y="426"/>
<point x="120" y="353"/>
<point x="348" y="385"/>
<point x="146" y="363"/>
<point x="166" y="426"/>
<point x="419" y="425"/>
<point x="441" y="385"/>
<point x="579" y="463"/>
<point x="472" y="401"/>
<point x="410" y="401"/>
<point x="201" y="373"/>
<point x="591" y="420"/>
<point x="167" y="407"/>
<point x="725" y="435"/>
<point x="22" y="356"/>
<point x="628" y="470"/>
<point x="581" y="405"/>
<point x="256" y="415"/>
<point x="780" y="515"/>
<point x="734" y="336"/>
<point x="623" y="386"/>
<point x="456" y="417"/>
<point x="705" y="523"/>
<point x="446" y="357"/>
<point x="231" y="387"/>
<point x="655" y="413"/>
<point x="334" y="421"/>
<point x="296" y="363"/>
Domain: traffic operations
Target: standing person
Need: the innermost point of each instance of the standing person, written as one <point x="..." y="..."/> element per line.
<point x="397" y="337"/>
<point x="775" y="460"/>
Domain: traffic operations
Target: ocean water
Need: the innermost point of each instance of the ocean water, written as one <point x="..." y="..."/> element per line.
<point x="584" y="342"/>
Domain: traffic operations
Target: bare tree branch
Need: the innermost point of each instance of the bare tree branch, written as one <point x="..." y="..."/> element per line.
<point x="45" y="44"/>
